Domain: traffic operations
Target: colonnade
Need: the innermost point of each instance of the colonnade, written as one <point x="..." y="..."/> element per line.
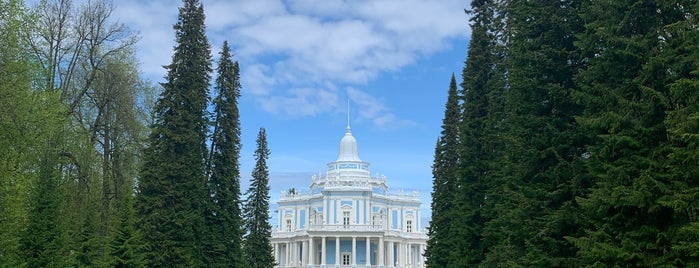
<point x="313" y="252"/>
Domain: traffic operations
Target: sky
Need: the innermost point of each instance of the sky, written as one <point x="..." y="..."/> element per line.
<point x="302" y="62"/>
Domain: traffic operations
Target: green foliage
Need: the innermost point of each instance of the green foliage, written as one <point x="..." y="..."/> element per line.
<point x="172" y="194"/>
<point x="125" y="246"/>
<point x="257" y="248"/>
<point x="224" y="221"/>
<point x="640" y="61"/>
<point x="535" y="174"/>
<point x="17" y="102"/>
<point x="444" y="170"/>
<point x="44" y="242"/>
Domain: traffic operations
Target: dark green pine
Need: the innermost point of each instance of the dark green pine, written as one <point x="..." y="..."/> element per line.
<point x="445" y="173"/>
<point x="682" y="56"/>
<point x="478" y="81"/>
<point x="640" y="99"/>
<point x="257" y="247"/>
<point x="172" y="184"/>
<point x="538" y="170"/>
<point x="125" y="248"/>
<point x="224" y="216"/>
<point x="43" y="244"/>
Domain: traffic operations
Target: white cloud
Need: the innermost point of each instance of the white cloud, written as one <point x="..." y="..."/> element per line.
<point x="290" y="50"/>
<point x="299" y="102"/>
<point x="372" y="109"/>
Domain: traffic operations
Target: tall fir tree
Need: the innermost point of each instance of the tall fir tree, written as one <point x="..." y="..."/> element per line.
<point x="172" y="184"/>
<point x="637" y="92"/>
<point x="44" y="243"/>
<point x="681" y="54"/>
<point x="257" y="247"/>
<point x="478" y="85"/>
<point x="224" y="216"/>
<point x="445" y="172"/>
<point x="125" y="248"/>
<point x="542" y="168"/>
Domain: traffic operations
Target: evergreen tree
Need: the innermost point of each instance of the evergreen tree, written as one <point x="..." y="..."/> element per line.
<point x="257" y="247"/>
<point x="478" y="85"/>
<point x="445" y="172"/>
<point x="224" y="218"/>
<point x="681" y="54"/>
<point x="541" y="168"/>
<point x="172" y="185"/>
<point x="125" y="247"/>
<point x="86" y="252"/>
<point x="44" y="243"/>
<point x="637" y="92"/>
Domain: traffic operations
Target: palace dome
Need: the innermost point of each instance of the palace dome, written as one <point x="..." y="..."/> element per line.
<point x="348" y="148"/>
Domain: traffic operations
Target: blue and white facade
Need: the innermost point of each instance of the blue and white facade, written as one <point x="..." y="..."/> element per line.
<point x="349" y="219"/>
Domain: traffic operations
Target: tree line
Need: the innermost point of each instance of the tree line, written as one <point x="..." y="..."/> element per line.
<point x="100" y="168"/>
<point x="573" y="138"/>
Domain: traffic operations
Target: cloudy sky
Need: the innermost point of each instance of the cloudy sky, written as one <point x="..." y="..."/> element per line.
<point x="301" y="61"/>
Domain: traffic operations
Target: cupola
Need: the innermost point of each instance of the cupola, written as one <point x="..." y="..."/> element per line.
<point x="348" y="148"/>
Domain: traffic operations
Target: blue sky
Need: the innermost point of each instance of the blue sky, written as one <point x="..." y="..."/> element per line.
<point x="301" y="61"/>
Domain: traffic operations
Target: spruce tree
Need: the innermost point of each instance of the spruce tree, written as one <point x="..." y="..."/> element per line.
<point x="536" y="174"/>
<point x="125" y="248"/>
<point x="640" y="100"/>
<point x="172" y="184"/>
<point x="478" y="84"/>
<point x="44" y="241"/>
<point x="224" y="217"/>
<point x="257" y="248"/>
<point x="681" y="54"/>
<point x="445" y="172"/>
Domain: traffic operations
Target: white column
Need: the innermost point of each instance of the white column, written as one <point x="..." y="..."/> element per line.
<point x="294" y="253"/>
<point x="337" y="250"/>
<point x="401" y="254"/>
<point x="311" y="252"/>
<point x="368" y="252"/>
<point x="304" y="253"/>
<point x="420" y="258"/>
<point x="381" y="253"/>
<point x="322" y="254"/>
<point x="288" y="254"/>
<point x="391" y="254"/>
<point x="326" y="213"/>
<point x="354" y="250"/>
<point x="276" y="252"/>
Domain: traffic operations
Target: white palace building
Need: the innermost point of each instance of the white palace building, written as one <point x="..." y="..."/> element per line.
<point x="349" y="219"/>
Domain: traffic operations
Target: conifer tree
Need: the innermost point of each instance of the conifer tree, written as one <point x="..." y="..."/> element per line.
<point x="224" y="216"/>
<point x="125" y="248"/>
<point x="44" y="243"/>
<point x="478" y="85"/>
<point x="637" y="92"/>
<point x="172" y="184"/>
<point x="257" y="248"/>
<point x="681" y="54"/>
<point x="445" y="172"/>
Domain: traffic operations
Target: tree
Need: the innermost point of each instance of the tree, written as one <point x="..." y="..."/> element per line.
<point x="88" y="59"/>
<point x="16" y="120"/>
<point x="477" y="140"/>
<point x="445" y="172"/>
<point x="124" y="249"/>
<point x="257" y="248"/>
<point x="224" y="216"/>
<point x="541" y="171"/>
<point x="637" y="93"/>
<point x="172" y="184"/>
<point x="44" y="241"/>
